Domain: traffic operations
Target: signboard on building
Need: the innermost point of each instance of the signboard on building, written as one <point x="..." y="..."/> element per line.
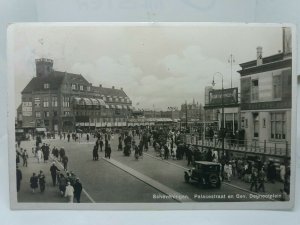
<point x="26" y="108"/>
<point x="230" y="97"/>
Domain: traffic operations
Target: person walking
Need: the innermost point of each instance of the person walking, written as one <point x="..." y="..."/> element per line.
<point x="69" y="192"/>
<point x="228" y="171"/>
<point x="54" y="170"/>
<point x="65" y="161"/>
<point x="25" y="158"/>
<point x="68" y="136"/>
<point x="19" y="178"/>
<point x="62" y="183"/>
<point x="261" y="180"/>
<point x="39" y="155"/>
<point x="62" y="153"/>
<point x="108" y="151"/>
<point x="46" y="153"/>
<point x="101" y="144"/>
<point x="77" y="190"/>
<point x="254" y="178"/>
<point x="282" y="172"/>
<point x="42" y="181"/>
<point x="34" y="182"/>
<point x="95" y="153"/>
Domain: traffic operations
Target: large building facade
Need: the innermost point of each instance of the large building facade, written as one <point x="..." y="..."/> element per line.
<point x="266" y="89"/>
<point x="61" y="101"/>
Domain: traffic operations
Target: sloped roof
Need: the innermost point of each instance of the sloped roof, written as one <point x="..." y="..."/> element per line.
<point x="109" y="91"/>
<point x="54" y="80"/>
<point x="37" y="83"/>
<point x="72" y="77"/>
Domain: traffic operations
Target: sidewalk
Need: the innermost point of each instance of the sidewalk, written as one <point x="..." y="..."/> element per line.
<point x="269" y="187"/>
<point x="51" y="194"/>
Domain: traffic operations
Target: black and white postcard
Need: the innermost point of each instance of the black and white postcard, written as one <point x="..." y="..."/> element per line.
<point x="151" y="116"/>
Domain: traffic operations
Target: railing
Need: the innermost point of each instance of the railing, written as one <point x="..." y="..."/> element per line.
<point x="281" y="149"/>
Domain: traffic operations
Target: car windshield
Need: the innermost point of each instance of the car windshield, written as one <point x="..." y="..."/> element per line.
<point x="211" y="168"/>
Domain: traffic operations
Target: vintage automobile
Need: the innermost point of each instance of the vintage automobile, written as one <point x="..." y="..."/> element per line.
<point x="206" y="173"/>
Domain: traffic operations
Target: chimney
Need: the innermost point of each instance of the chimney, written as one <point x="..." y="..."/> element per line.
<point x="259" y="56"/>
<point x="113" y="87"/>
<point x="121" y="89"/>
<point x="100" y="85"/>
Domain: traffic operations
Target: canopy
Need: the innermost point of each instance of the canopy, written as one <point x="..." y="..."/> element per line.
<point x="41" y="129"/>
<point x="87" y="101"/>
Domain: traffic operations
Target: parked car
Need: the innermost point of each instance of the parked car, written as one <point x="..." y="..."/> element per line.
<point x="206" y="173"/>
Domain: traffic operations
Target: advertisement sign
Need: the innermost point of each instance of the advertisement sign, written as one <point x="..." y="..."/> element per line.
<point x="230" y="96"/>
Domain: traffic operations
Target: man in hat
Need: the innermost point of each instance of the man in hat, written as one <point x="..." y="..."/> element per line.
<point x="54" y="170"/>
<point x="77" y="190"/>
<point x="19" y="178"/>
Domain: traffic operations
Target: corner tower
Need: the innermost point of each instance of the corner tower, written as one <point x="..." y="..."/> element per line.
<point x="44" y="67"/>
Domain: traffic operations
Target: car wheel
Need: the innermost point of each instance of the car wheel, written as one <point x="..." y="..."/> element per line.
<point x="186" y="178"/>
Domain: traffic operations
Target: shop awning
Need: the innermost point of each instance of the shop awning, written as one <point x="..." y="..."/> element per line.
<point x="19" y="130"/>
<point x="87" y="101"/>
<point x="101" y="102"/>
<point x="112" y="106"/>
<point x="77" y="100"/>
<point x="118" y="107"/>
<point x="95" y="101"/>
<point x="41" y="129"/>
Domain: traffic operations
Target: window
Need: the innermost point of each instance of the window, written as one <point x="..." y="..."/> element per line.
<point x="46" y="102"/>
<point x="278" y="129"/>
<point x="277" y="86"/>
<point x="66" y="102"/>
<point x="254" y="90"/>
<point x="66" y="113"/>
<point x="37" y="102"/>
<point x="246" y="123"/>
<point x="242" y="122"/>
<point x="46" y="114"/>
<point x="264" y="123"/>
<point x="38" y="114"/>
<point x="81" y="87"/>
<point x="88" y="88"/>
<point x="73" y="87"/>
<point x="46" y="86"/>
<point x="255" y="125"/>
<point x="54" y="101"/>
<point x="54" y="113"/>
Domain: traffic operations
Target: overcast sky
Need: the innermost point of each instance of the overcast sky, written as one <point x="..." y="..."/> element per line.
<point x="156" y="65"/>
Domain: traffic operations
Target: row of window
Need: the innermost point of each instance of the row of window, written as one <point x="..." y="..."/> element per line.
<point x="276" y="88"/>
<point x="277" y="123"/>
<point x="46" y="114"/>
<point x="65" y="101"/>
<point x="54" y="102"/>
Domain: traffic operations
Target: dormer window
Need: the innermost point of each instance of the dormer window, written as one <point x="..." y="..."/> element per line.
<point x="88" y="88"/>
<point x="46" y="85"/>
<point x="73" y="86"/>
<point x="81" y="87"/>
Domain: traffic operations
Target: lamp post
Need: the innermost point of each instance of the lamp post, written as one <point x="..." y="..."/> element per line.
<point x="186" y="116"/>
<point x="222" y="105"/>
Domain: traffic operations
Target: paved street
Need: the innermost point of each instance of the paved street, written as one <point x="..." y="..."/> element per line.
<point x="125" y="179"/>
